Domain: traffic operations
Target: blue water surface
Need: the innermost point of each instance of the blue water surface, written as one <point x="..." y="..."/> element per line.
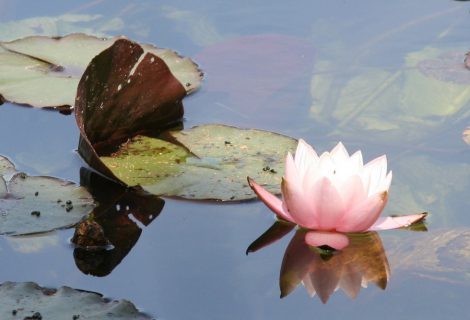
<point x="190" y="262"/>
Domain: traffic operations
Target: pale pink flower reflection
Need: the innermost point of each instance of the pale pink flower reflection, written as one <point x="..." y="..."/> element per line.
<point x="363" y="261"/>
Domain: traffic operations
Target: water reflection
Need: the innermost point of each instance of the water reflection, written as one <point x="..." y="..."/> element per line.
<point x="322" y="271"/>
<point x="114" y="227"/>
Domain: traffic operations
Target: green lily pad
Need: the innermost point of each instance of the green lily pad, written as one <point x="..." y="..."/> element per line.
<point x="27" y="300"/>
<point x="207" y="162"/>
<point x="45" y="71"/>
<point x="33" y="204"/>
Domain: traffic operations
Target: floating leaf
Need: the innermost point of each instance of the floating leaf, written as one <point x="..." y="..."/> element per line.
<point x="208" y="162"/>
<point x="27" y="300"/>
<point x="125" y="91"/>
<point x="44" y="72"/>
<point x="32" y="204"/>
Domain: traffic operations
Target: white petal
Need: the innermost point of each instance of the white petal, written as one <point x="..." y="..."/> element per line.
<point x="339" y="154"/>
<point x="304" y="156"/>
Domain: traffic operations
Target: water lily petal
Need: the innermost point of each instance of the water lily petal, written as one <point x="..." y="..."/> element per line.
<point x="385" y="185"/>
<point x="364" y="214"/>
<point x="326" y="165"/>
<point x="339" y="154"/>
<point x="305" y="155"/>
<point x="387" y="223"/>
<point x="270" y="200"/>
<point x="291" y="172"/>
<point x="334" y="240"/>
<point x="356" y="161"/>
<point x="352" y="191"/>
<point x="299" y="207"/>
<point x="374" y="173"/>
<point x="351" y="166"/>
<point x="328" y="204"/>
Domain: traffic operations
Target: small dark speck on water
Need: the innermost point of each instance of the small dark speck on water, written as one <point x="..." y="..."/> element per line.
<point x="13" y="312"/>
<point x="35" y="316"/>
<point x="36" y="193"/>
<point x="36" y="213"/>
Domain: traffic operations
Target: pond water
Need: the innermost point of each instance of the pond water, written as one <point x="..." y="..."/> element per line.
<point x="381" y="76"/>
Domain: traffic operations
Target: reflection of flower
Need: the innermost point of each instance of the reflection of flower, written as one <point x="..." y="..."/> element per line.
<point x="363" y="261"/>
<point x="332" y="194"/>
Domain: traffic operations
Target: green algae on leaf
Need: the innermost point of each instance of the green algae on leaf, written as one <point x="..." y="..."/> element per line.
<point x="28" y="300"/>
<point x="206" y="162"/>
<point x="33" y="204"/>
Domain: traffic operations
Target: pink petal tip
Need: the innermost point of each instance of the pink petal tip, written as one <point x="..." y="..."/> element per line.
<point x="387" y="223"/>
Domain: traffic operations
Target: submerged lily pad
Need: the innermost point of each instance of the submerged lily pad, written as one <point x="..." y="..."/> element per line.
<point x="33" y="204"/>
<point x="27" y="300"/>
<point x="441" y="255"/>
<point x="207" y="162"/>
<point x="410" y="103"/>
<point x="44" y="71"/>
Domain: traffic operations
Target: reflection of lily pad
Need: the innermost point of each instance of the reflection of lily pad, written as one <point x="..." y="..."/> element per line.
<point x="427" y="184"/>
<point x="213" y="164"/>
<point x="27" y="300"/>
<point x="39" y="204"/>
<point x="44" y="72"/>
<point x="406" y="104"/>
<point x="441" y="254"/>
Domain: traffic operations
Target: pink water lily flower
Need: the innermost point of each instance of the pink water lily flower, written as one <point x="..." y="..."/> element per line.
<point x="333" y="194"/>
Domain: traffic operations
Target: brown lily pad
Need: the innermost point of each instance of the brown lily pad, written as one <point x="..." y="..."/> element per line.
<point x="125" y="91"/>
